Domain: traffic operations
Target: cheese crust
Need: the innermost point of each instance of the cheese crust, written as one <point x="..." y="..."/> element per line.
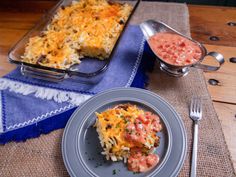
<point x="86" y="28"/>
<point x="116" y="130"/>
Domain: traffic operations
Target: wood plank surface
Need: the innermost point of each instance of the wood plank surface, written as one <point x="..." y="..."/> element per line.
<point x="206" y="21"/>
<point x="227" y="116"/>
<point x="26" y="5"/>
<point x="225" y="91"/>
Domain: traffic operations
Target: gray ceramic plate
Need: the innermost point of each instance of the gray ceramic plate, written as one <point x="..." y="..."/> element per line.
<point x="81" y="148"/>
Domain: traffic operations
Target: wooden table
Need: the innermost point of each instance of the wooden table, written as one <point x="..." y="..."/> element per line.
<point x="205" y="21"/>
<point x="209" y="21"/>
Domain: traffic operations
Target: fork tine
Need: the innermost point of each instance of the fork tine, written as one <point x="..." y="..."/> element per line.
<point x="195" y="105"/>
<point x="191" y="106"/>
<point x="200" y="107"/>
<point x="193" y="101"/>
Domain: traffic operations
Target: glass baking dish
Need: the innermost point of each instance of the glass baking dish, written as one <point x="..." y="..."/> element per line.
<point x="90" y="70"/>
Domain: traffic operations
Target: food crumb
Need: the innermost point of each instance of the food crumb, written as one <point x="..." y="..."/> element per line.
<point x="114" y="172"/>
<point x="135" y="172"/>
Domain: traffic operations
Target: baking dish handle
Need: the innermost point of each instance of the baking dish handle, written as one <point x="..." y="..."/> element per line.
<point x="42" y="74"/>
<point x="220" y="59"/>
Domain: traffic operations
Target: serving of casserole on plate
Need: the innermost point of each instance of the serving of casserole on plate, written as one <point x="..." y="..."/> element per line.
<point x="107" y="127"/>
<point x="86" y="28"/>
<point x="129" y="133"/>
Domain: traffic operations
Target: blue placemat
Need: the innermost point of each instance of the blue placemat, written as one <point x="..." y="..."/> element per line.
<point x="30" y="107"/>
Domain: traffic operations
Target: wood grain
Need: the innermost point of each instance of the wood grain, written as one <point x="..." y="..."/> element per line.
<point x="227" y="116"/>
<point x="26" y="5"/>
<point x="225" y="91"/>
<point x="206" y="21"/>
<point x="13" y="25"/>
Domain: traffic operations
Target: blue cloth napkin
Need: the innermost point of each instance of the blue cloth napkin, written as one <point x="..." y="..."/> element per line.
<point x="30" y="107"/>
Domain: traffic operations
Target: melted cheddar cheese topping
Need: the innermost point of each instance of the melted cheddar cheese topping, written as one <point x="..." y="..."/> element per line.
<point x="85" y="28"/>
<point x="126" y="128"/>
<point x="114" y="122"/>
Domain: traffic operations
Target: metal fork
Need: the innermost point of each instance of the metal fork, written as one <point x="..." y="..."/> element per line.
<point x="195" y="115"/>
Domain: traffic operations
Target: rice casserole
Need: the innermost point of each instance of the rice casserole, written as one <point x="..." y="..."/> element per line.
<point x="86" y="28"/>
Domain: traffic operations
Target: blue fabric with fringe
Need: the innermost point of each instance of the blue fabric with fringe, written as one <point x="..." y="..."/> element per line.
<point x="27" y="114"/>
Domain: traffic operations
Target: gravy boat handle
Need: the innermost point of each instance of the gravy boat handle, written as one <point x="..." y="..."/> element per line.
<point x="219" y="58"/>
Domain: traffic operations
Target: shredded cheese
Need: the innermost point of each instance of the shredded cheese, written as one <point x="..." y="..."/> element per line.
<point x="85" y="28"/>
<point x="125" y="128"/>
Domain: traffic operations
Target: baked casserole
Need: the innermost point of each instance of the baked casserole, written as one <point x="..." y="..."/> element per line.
<point x="86" y="28"/>
<point x="129" y="133"/>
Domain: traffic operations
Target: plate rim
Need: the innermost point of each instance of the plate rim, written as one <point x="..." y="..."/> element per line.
<point x="138" y="100"/>
<point x="144" y="91"/>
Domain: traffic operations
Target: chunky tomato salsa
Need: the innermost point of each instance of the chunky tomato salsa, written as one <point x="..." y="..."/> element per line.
<point x="175" y="49"/>
<point x="140" y="133"/>
<point x="129" y="133"/>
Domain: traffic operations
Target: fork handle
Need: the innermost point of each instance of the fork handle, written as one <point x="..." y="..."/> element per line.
<point x="194" y="152"/>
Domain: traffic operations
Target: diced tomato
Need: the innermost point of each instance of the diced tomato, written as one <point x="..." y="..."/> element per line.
<point x="167" y="45"/>
<point x="130" y="127"/>
<point x="138" y="132"/>
<point x="152" y="159"/>
<point x="148" y="114"/>
<point x="143" y="119"/>
<point x="139" y="126"/>
<point x="174" y="48"/>
<point x="188" y="61"/>
<point x="182" y="44"/>
<point x="156" y="126"/>
<point x="166" y="56"/>
<point x="156" y="117"/>
<point x="160" y="46"/>
<point x="139" y="162"/>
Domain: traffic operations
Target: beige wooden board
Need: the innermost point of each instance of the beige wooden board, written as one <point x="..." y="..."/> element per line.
<point x="226" y="90"/>
<point x="206" y="21"/>
<point x="227" y="116"/>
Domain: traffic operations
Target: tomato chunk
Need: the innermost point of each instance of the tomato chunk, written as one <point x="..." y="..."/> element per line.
<point x="175" y="49"/>
<point x="139" y="162"/>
